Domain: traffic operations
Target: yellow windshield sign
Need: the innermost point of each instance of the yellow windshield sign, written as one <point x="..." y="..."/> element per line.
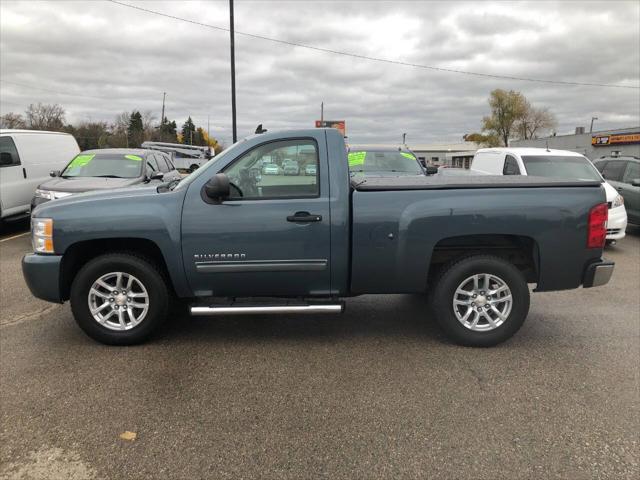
<point x="81" y="161"/>
<point x="356" y="158"/>
<point x="133" y="157"/>
<point x="407" y="155"/>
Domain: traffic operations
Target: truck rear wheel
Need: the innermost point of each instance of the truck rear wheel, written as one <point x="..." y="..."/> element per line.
<point x="481" y="301"/>
<point x="119" y="298"/>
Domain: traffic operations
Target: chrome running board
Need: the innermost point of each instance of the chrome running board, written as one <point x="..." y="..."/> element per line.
<point x="265" y="310"/>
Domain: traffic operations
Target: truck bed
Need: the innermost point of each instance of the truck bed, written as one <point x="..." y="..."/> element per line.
<point x="437" y="182"/>
<point x="398" y="224"/>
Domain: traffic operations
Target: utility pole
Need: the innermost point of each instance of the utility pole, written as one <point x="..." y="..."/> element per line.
<point x="321" y="113"/>
<point x="233" y="74"/>
<point x="164" y="94"/>
<point x="592" y="119"/>
<point x="404" y="139"/>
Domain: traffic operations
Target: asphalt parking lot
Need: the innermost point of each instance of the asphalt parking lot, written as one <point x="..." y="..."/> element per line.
<point x="375" y="393"/>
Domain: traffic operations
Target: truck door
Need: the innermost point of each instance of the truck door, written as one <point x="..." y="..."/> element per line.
<point x="272" y="236"/>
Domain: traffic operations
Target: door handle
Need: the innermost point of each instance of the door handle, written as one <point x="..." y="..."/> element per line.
<point x="24" y="172"/>
<point x="304" y="217"/>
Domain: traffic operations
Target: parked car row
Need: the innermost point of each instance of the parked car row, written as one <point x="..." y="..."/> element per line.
<point x="541" y="162"/>
<point x="28" y="158"/>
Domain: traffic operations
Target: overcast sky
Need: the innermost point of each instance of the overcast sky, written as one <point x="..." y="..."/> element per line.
<point x="98" y="59"/>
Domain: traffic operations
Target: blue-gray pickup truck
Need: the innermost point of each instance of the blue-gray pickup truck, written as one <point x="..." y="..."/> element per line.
<point x="232" y="240"/>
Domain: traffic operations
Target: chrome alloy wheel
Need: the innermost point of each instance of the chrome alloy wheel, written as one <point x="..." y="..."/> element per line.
<point x="482" y="302"/>
<point x="118" y="301"/>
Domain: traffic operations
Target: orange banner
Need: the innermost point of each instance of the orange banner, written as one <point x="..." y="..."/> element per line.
<point x="615" y="139"/>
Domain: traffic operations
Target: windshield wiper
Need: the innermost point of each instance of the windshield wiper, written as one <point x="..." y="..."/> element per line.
<point x="108" y="176"/>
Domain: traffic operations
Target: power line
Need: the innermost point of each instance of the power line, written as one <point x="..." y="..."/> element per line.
<point x="52" y="91"/>
<point x="375" y="59"/>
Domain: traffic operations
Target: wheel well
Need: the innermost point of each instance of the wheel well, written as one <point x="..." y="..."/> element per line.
<point x="78" y="254"/>
<point x="520" y="250"/>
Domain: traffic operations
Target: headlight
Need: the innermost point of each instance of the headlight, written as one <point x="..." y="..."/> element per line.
<point x="43" y="194"/>
<point x="618" y="202"/>
<point x="42" y="235"/>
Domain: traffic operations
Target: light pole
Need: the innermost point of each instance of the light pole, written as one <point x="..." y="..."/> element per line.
<point x="233" y="74"/>
<point x="592" y="119"/>
<point x="404" y="139"/>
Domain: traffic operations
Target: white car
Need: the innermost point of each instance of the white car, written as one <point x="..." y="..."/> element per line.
<point x="27" y="157"/>
<point x="543" y="162"/>
<point x="270" y="169"/>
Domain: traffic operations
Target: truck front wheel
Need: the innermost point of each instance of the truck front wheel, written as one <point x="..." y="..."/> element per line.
<point x="119" y="298"/>
<point x="481" y="301"/>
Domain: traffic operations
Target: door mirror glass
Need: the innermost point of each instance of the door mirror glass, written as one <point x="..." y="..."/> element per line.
<point x="218" y="188"/>
<point x="431" y="170"/>
<point x="54" y="173"/>
<point x="156" y="176"/>
<point x="635" y="182"/>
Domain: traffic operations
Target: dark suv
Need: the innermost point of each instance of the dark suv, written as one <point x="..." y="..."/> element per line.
<point x="106" y="169"/>
<point x="624" y="174"/>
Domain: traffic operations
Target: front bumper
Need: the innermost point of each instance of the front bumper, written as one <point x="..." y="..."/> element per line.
<point x="42" y="274"/>
<point x="616" y="223"/>
<point x="597" y="274"/>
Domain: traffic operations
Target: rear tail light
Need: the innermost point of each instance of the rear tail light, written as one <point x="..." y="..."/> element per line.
<point x="597" y="232"/>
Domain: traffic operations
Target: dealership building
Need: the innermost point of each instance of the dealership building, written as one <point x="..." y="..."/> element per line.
<point x="451" y="154"/>
<point x="593" y="145"/>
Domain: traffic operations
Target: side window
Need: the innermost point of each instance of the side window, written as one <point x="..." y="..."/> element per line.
<point x="614" y="170"/>
<point x="162" y="163"/>
<point x="169" y="162"/>
<point x="600" y="166"/>
<point x="8" y="153"/>
<point x="285" y="169"/>
<point x="152" y="165"/>
<point x="632" y="173"/>
<point x="510" y="166"/>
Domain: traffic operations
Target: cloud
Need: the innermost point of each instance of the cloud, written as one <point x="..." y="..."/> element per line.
<point x="98" y="59"/>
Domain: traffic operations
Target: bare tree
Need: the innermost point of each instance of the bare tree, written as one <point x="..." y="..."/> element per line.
<point x="148" y="127"/>
<point x="535" y="121"/>
<point x="12" y="120"/>
<point x="45" y="117"/>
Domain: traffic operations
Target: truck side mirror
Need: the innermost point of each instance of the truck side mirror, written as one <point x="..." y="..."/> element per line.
<point x="635" y="182"/>
<point x="156" y="176"/>
<point x="218" y="188"/>
<point x="54" y="173"/>
<point x="431" y="170"/>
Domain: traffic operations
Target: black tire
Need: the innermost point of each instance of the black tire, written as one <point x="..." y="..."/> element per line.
<point x="454" y="274"/>
<point x="141" y="268"/>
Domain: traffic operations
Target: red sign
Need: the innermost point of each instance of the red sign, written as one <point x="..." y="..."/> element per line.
<point x="337" y="124"/>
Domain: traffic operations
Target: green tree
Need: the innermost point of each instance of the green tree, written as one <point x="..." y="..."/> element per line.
<point x="480" y="139"/>
<point x="507" y="110"/>
<point x="135" y="130"/>
<point x="188" y="132"/>
<point x="168" y="131"/>
<point x="90" y="135"/>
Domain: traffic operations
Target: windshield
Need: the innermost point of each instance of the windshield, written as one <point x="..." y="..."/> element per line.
<point x="384" y="161"/>
<point x="578" y="168"/>
<point x="115" y="165"/>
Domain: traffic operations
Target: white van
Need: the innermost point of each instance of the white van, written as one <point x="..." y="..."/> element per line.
<point x="26" y="159"/>
<point x="543" y="162"/>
